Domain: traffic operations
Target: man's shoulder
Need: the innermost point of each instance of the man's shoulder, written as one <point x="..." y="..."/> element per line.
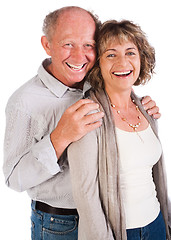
<point x="25" y="88"/>
<point x="27" y="95"/>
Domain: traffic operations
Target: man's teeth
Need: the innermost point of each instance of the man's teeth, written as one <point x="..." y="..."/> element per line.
<point x="76" y="67"/>
<point x="122" y="73"/>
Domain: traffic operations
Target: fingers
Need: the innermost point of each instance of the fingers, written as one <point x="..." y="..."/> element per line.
<point x="154" y="112"/>
<point x="146" y="100"/>
<point x="92" y="126"/>
<point x="148" y="103"/>
<point x="157" y="115"/>
<point x="87" y="108"/>
<point x="78" y="104"/>
<point x="75" y="122"/>
<point x="82" y="111"/>
<point x="94" y="117"/>
<point x="150" y="107"/>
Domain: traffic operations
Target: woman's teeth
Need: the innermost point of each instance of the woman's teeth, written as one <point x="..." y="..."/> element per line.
<point x="122" y="73"/>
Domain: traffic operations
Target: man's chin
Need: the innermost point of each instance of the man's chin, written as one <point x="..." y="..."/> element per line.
<point x="76" y="83"/>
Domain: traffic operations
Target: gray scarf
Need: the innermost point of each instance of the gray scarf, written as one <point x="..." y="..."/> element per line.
<point x="109" y="181"/>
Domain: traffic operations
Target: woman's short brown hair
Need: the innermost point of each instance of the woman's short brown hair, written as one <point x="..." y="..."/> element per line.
<point x="124" y="30"/>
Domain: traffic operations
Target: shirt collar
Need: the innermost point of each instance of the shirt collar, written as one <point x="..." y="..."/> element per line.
<point x="53" y="84"/>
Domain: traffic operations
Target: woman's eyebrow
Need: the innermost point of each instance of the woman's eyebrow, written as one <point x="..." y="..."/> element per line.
<point x="110" y="49"/>
<point x="113" y="49"/>
<point x="131" y="48"/>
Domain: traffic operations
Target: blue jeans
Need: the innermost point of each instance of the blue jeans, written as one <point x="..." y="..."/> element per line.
<point x="53" y="227"/>
<point x="153" y="231"/>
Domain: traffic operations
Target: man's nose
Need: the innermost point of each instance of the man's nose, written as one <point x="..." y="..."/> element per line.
<point x="78" y="52"/>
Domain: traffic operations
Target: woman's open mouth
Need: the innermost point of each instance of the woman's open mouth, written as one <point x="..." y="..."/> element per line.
<point x="123" y="74"/>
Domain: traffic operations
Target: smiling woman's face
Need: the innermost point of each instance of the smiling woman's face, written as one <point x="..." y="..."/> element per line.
<point x="120" y="65"/>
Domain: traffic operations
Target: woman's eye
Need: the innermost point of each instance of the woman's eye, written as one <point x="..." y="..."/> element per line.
<point x="130" y="53"/>
<point x="110" y="55"/>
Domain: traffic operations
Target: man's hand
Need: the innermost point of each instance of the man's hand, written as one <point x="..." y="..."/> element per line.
<point x="150" y="107"/>
<point x="75" y="123"/>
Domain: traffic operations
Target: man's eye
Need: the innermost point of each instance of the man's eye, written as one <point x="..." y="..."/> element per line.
<point x="89" y="46"/>
<point x="68" y="45"/>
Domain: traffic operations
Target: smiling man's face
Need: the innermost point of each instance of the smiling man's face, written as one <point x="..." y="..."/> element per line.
<point x="72" y="47"/>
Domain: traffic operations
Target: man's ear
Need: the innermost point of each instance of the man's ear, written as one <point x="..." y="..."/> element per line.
<point x="46" y="45"/>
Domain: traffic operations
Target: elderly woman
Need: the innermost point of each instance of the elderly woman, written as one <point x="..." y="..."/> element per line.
<point x="117" y="171"/>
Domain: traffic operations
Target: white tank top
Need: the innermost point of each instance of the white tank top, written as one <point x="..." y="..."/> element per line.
<point x="138" y="152"/>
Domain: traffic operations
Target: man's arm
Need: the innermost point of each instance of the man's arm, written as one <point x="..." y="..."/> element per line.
<point x="30" y="158"/>
<point x="28" y="154"/>
<point x="75" y="123"/>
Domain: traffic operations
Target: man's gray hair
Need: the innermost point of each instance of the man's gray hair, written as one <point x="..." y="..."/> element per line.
<point x="51" y="20"/>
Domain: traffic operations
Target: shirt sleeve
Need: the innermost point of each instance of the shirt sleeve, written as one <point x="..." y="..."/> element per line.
<point x="83" y="163"/>
<point x="29" y="156"/>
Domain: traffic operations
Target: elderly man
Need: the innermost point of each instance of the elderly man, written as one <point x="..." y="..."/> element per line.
<point x="48" y="113"/>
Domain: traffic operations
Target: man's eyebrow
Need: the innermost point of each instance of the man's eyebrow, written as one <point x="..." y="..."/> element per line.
<point x="91" y="41"/>
<point x="72" y="41"/>
<point x="65" y="41"/>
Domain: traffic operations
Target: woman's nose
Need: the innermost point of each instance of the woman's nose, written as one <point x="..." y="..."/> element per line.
<point x="122" y="60"/>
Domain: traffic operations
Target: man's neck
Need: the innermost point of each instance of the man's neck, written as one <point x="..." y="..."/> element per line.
<point x="78" y="85"/>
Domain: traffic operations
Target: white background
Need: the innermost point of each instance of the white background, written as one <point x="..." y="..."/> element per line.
<point x="21" y="54"/>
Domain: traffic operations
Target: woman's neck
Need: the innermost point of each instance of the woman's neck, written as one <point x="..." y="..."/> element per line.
<point x="122" y="99"/>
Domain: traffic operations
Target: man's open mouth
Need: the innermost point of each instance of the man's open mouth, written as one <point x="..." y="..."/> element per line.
<point x="75" y="67"/>
<point x="123" y="74"/>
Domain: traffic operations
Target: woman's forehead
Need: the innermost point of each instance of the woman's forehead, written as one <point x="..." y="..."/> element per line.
<point x="115" y="40"/>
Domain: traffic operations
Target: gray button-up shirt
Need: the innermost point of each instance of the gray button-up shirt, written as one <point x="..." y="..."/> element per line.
<point x="30" y="162"/>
